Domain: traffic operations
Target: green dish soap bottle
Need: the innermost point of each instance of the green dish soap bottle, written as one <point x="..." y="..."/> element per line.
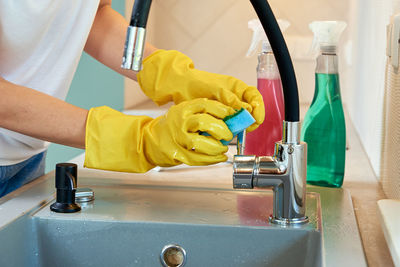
<point x="324" y="128"/>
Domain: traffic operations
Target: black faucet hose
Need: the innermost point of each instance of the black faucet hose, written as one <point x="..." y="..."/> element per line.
<point x="140" y="13"/>
<point x="282" y="58"/>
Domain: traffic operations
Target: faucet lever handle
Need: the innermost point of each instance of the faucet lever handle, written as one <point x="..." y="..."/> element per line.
<point x="243" y="168"/>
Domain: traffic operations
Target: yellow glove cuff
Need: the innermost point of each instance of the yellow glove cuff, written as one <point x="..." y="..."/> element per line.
<point x="114" y="141"/>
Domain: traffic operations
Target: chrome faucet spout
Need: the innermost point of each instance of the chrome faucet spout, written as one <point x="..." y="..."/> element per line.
<point x="285" y="173"/>
<point x="136" y="36"/>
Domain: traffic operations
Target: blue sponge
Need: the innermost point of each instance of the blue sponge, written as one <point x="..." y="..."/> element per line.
<point x="237" y="123"/>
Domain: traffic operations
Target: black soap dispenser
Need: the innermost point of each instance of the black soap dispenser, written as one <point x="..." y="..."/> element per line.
<point x="66" y="184"/>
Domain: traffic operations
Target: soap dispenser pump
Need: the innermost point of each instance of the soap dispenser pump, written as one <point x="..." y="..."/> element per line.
<point x="66" y="184"/>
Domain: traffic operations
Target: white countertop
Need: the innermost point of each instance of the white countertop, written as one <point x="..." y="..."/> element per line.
<point x="359" y="180"/>
<point x="390" y="217"/>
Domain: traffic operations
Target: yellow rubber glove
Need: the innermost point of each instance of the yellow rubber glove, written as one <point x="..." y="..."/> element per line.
<point x="119" y="142"/>
<point x="171" y="76"/>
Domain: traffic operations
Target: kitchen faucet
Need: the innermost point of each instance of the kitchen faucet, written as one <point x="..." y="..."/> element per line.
<point x="285" y="171"/>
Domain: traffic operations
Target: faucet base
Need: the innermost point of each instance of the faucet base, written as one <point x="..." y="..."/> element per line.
<point x="65" y="207"/>
<point x="283" y="221"/>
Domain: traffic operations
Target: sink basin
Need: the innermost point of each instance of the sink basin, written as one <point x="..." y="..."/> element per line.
<point x="129" y="224"/>
<point x="215" y="227"/>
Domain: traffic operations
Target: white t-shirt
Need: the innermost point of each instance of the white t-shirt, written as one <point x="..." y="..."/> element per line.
<point x="41" y="42"/>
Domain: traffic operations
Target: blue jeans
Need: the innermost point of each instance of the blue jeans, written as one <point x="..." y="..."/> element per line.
<point x="14" y="176"/>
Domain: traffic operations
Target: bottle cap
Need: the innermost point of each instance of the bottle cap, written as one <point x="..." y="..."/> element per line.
<point x="326" y="35"/>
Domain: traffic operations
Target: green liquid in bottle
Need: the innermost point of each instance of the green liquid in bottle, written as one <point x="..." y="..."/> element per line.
<point x="324" y="131"/>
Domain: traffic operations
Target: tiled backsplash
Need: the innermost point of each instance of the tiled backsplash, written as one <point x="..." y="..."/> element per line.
<point x="215" y="35"/>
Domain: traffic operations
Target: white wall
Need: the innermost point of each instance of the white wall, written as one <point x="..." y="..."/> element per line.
<point x="365" y="99"/>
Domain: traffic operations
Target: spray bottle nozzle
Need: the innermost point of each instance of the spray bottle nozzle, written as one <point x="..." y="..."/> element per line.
<point x="260" y="36"/>
<point x="326" y="35"/>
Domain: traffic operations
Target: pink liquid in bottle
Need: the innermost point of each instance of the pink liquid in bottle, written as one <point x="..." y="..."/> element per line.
<point x="260" y="142"/>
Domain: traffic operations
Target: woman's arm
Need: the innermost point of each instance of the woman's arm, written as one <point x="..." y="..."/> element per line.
<point x="107" y="39"/>
<point x="39" y="115"/>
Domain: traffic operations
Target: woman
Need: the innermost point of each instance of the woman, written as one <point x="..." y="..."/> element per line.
<point x="40" y="46"/>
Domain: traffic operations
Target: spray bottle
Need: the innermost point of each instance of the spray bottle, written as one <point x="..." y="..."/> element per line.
<point x="261" y="141"/>
<point x="324" y="128"/>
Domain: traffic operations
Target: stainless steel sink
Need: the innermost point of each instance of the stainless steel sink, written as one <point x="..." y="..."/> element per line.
<point x="129" y="224"/>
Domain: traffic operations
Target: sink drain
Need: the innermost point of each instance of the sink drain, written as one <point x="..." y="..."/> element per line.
<point x="173" y="256"/>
